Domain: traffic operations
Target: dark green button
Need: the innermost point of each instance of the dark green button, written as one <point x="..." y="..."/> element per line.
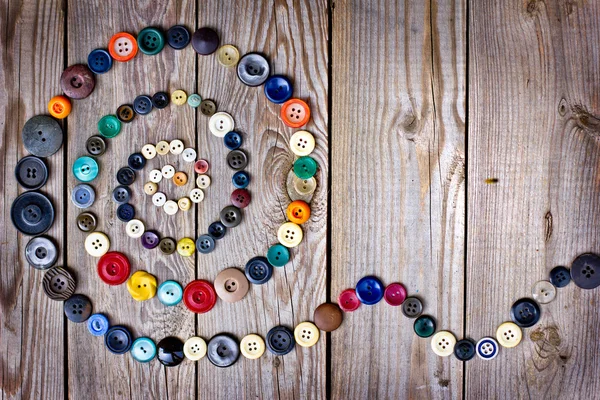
<point x="150" y="41"/>
<point x="278" y="255"/>
<point x="305" y="167"/>
<point x="109" y="126"/>
<point x="424" y="326"/>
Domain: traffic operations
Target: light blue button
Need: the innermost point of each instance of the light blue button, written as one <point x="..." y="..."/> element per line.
<point x="83" y="195"/>
<point x="170" y="293"/>
<point x="97" y="324"/>
<point x="85" y="169"/>
<point x="143" y="350"/>
<point x="194" y="100"/>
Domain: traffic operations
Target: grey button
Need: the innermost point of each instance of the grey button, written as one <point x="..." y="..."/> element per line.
<point x="205" y="244"/>
<point x="253" y="69"/>
<point x="41" y="252"/>
<point x="412" y="307"/>
<point x="83" y="195"/>
<point x="32" y="213"/>
<point x="58" y="284"/>
<point x="231" y="216"/>
<point x="237" y="160"/>
<point x="585" y="271"/>
<point x="121" y="194"/>
<point x="31" y="172"/>
<point x="95" y="146"/>
<point x="223" y="350"/>
<point x="42" y="136"/>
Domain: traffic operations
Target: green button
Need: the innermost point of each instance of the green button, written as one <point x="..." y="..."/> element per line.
<point x="194" y="100"/>
<point x="424" y="326"/>
<point x="305" y="167"/>
<point x="150" y="41"/>
<point x="85" y="169"/>
<point x="109" y="126"/>
<point x="278" y="255"/>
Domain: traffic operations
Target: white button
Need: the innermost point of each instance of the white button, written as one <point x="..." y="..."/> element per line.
<point x="509" y="334"/>
<point x="487" y="348"/>
<point x="162" y="147"/>
<point x="171" y="207"/>
<point x="176" y="147"/>
<point x="220" y="124"/>
<point x="123" y="47"/>
<point x="149" y="151"/>
<point x="168" y="171"/>
<point x="289" y="234"/>
<point x="305" y="186"/>
<point x="543" y="292"/>
<point x="194" y="348"/>
<point x="203" y="181"/>
<point x="135" y="228"/>
<point x="302" y="143"/>
<point x="159" y="199"/>
<point x="197" y="195"/>
<point x="189" y="155"/>
<point x="97" y="244"/>
<point x="155" y="176"/>
<point x="442" y="343"/>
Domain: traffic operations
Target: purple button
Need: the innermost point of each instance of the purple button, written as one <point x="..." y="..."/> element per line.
<point x="150" y="239"/>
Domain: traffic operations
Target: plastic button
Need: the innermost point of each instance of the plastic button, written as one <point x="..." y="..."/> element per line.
<point x="217" y="230"/>
<point x="228" y="55"/>
<point x="194" y="100"/>
<point x="278" y="255"/>
<point x="240" y="198"/>
<point x="141" y="286"/>
<point x="186" y="247"/>
<point x="203" y="181"/>
<point x="167" y="246"/>
<point x="241" y="179"/>
<point x="150" y="239"/>
<point x="232" y="140"/>
<point x="170" y="293"/>
<point x="305" y="167"/>
<point x="304" y="187"/>
<point x="464" y="350"/>
<point x="298" y="212"/>
<point x="142" y="105"/>
<point x="231" y="285"/>
<point x="160" y="100"/>
<point x="42" y="136"/>
<point x="205" y="244"/>
<point x="109" y="126"/>
<point x="201" y="166"/>
<point x="78" y="308"/>
<point x="509" y="334"/>
<point x="253" y="69"/>
<point x="394" y="294"/>
<point x="199" y="296"/>
<point x="194" y="348"/>
<point x="369" y="290"/>
<point x="41" y="252"/>
<point x="114" y="268"/>
<point x="143" y="350"/>
<point x="136" y="161"/>
<point x="59" y="107"/>
<point x="179" y="97"/>
<point x="99" y="61"/>
<point x="118" y="340"/>
<point x="196" y="195"/>
<point x="295" y="113"/>
<point x="585" y="271"/>
<point x="289" y="234"/>
<point x="85" y="169"/>
<point x="97" y="244"/>
<point x="560" y="276"/>
<point x="125" y="212"/>
<point x="258" y="270"/>
<point x="77" y="81"/>
<point x="306" y="334"/>
<point x="205" y="41"/>
<point x="155" y="176"/>
<point x="208" y="108"/>
<point x="31" y="172"/>
<point x="180" y="178"/>
<point x="220" y="124"/>
<point x="122" y="47"/>
<point x="302" y="143"/>
<point x="424" y="326"/>
<point x="412" y="307"/>
<point x="121" y="194"/>
<point x="150" y="41"/>
<point x="184" y="204"/>
<point x="487" y="348"/>
<point x="95" y="146"/>
<point x="168" y="171"/>
<point x="348" y="301"/>
<point x="150" y="187"/>
<point x="125" y="113"/>
<point x="525" y="312"/>
<point x="135" y="228"/>
<point x="125" y="176"/>
<point x="159" y="199"/>
<point x="32" y="213"/>
<point x="280" y="340"/>
<point x="162" y="147"/>
<point x="231" y="216"/>
<point x="97" y="324"/>
<point x="189" y="155"/>
<point x="223" y="350"/>
<point x="58" y="284"/>
<point x="328" y="317"/>
<point x="442" y="343"/>
<point x="543" y="292"/>
<point x="86" y="222"/>
<point x="170" y="207"/>
<point x="278" y="89"/>
<point x="178" y="37"/>
<point x="252" y="346"/>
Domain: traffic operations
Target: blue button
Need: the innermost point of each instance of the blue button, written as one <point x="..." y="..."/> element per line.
<point x="125" y="212"/>
<point x="143" y="350"/>
<point x="118" y="339"/>
<point x="99" y="61"/>
<point x="217" y="230"/>
<point x="278" y="89"/>
<point x="178" y="37"/>
<point x="142" y="105"/>
<point x="232" y="140"/>
<point x="369" y="290"/>
<point x="97" y="324"/>
<point x="85" y="169"/>
<point x="258" y="270"/>
<point x="170" y="293"/>
<point x="487" y="348"/>
<point x="241" y="179"/>
<point x="83" y="196"/>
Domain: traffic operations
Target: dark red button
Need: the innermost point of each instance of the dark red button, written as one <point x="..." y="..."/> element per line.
<point x="201" y="166"/>
<point x="114" y="268"/>
<point x="77" y="81"/>
<point x="394" y="294"/>
<point x="240" y="198"/>
<point x="199" y="296"/>
<point x="348" y="301"/>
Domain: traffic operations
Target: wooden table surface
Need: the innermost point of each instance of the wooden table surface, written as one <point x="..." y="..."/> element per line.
<point x="414" y="106"/>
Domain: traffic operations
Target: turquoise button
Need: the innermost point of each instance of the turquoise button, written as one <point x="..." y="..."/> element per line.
<point x="85" y="169"/>
<point x="305" y="167"/>
<point x="170" y="293"/>
<point x="109" y="126"/>
<point x="143" y="350"/>
<point x="194" y="100"/>
<point x="150" y="41"/>
<point x="278" y="255"/>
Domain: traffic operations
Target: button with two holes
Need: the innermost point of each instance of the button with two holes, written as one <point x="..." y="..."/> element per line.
<point x="278" y="255"/>
<point x="143" y="350"/>
<point x="32" y="213"/>
<point x="150" y="239"/>
<point x="114" y="268"/>
<point x="125" y="212"/>
<point x="136" y="161"/>
<point x="369" y="290"/>
<point x="85" y="169"/>
<point x="223" y="350"/>
<point x="253" y="69"/>
<point x="118" y="339"/>
<point x="42" y="136"/>
<point x="217" y="230"/>
<point x="231" y="285"/>
<point x="170" y="293"/>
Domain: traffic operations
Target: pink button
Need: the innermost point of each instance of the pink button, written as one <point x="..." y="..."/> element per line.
<point x="394" y="294"/>
<point x="348" y="300"/>
<point x="201" y="166"/>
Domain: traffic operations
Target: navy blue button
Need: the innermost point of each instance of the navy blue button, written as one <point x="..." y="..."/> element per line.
<point x="241" y="179"/>
<point x="280" y="340"/>
<point x="125" y="212"/>
<point x="142" y="105"/>
<point x="217" y="230"/>
<point x="259" y="271"/>
<point x="136" y="161"/>
<point x="369" y="290"/>
<point x="560" y="276"/>
<point x="178" y="37"/>
<point x="121" y="194"/>
<point x="464" y="349"/>
<point x="99" y="61"/>
<point x="32" y="213"/>
<point x="160" y="100"/>
<point x="77" y="308"/>
<point x="205" y="244"/>
<point x="125" y="176"/>
<point x="118" y="340"/>
<point x="232" y="140"/>
<point x="278" y="89"/>
<point x="97" y="324"/>
<point x="83" y="195"/>
<point x="525" y="312"/>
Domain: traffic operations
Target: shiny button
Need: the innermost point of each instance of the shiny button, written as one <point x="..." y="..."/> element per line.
<point x="141" y="286"/>
<point x="99" y="61"/>
<point x="135" y="228"/>
<point x="525" y="312"/>
<point x="125" y="113"/>
<point x="109" y="126"/>
<point x="306" y="334"/>
<point x="442" y="343"/>
<point x="487" y="348"/>
<point x="114" y="268"/>
<point x="298" y="212"/>
<point x="348" y="301"/>
<point x="289" y="234"/>
<point x="585" y="271"/>
<point x="78" y="308"/>
<point x="305" y="167"/>
<point x="464" y="350"/>
<point x="201" y="166"/>
<point x="295" y="113"/>
<point x="32" y="213"/>
<point x="328" y="317"/>
<point x="232" y="140"/>
<point x="231" y="285"/>
<point x="369" y="290"/>
<point x="258" y="270"/>
<point x="412" y="307"/>
<point x="231" y="216"/>
<point x="162" y="147"/>
<point x="125" y="212"/>
<point x="167" y="246"/>
<point x="86" y="222"/>
<point x="280" y="340"/>
<point x="150" y="239"/>
<point x="122" y="47"/>
<point x="160" y="100"/>
<point x="77" y="81"/>
<point x="97" y="244"/>
<point x="170" y="207"/>
<point x="186" y="247"/>
<point x="58" y="284"/>
<point x="118" y="340"/>
<point x="217" y="230"/>
<point x="199" y="296"/>
<point x="241" y="179"/>
<point x="189" y="155"/>
<point x="150" y="188"/>
<point x="168" y="171"/>
<point x="205" y="244"/>
<point x="136" y="161"/>
<point x="223" y="350"/>
<point x="205" y="41"/>
<point x="394" y="294"/>
<point x="196" y="195"/>
<point x="179" y="97"/>
<point x="121" y="194"/>
<point x="194" y="348"/>
<point x="208" y="108"/>
<point x="59" y="107"/>
<point x="85" y="169"/>
<point x="252" y="346"/>
<point x="194" y="100"/>
<point x="150" y="41"/>
<point x="178" y="37"/>
<point x="302" y="143"/>
<point x="170" y="293"/>
<point x="509" y="334"/>
<point x="240" y="198"/>
<point x="41" y="252"/>
<point x="143" y="350"/>
<point x="228" y="55"/>
<point x="560" y="276"/>
<point x="305" y="187"/>
<point x="424" y="326"/>
<point x="97" y="324"/>
<point x="253" y="69"/>
<point x="125" y="176"/>
<point x="184" y="204"/>
<point x="159" y="199"/>
<point x="31" y="172"/>
<point x="220" y="124"/>
<point x="95" y="146"/>
<point x="278" y="89"/>
<point x="42" y="136"/>
<point x="142" y="105"/>
<point x="203" y="181"/>
<point x="180" y="178"/>
<point x="149" y="151"/>
<point x="278" y="255"/>
<point x="543" y="292"/>
<point x="155" y="176"/>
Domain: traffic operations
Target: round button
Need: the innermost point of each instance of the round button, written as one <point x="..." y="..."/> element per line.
<point x="289" y="234"/>
<point x="41" y="252"/>
<point x="306" y="334"/>
<point x="196" y="195"/>
<point x="189" y="155"/>
<point x="125" y="113"/>
<point x="150" y="187"/>
<point x="85" y="169"/>
<point x="194" y="100"/>
<point x="86" y="222"/>
<point x="525" y="312"/>
<point x="228" y="55"/>
<point x="208" y="108"/>
<point x="253" y="69"/>
<point x="179" y="97"/>
<point x="298" y="212"/>
<point x="159" y="199"/>
<point x="305" y="167"/>
<point x="258" y="270"/>
<point x="32" y="213"/>
<point x="143" y="350"/>
<point x="58" y="284"/>
<point x="232" y="140"/>
<point x="205" y="244"/>
<point x="278" y="89"/>
<point x="509" y="334"/>
<point x="168" y="171"/>
<point x="135" y="228"/>
<point x="77" y="81"/>
<point x="141" y="286"/>
<point x="142" y="105"/>
<point x="278" y="255"/>
<point x="150" y="41"/>
<point x="150" y="239"/>
<point x="99" y="61"/>
<point x="78" y="308"/>
<point x="231" y="285"/>
<point x="97" y="324"/>
<point x="42" y="136"/>
<point x="149" y="152"/>
<point x="394" y="294"/>
<point x="585" y="271"/>
<point x="136" y="161"/>
<point x="442" y="343"/>
<point x="424" y="326"/>
<point x="223" y="350"/>
<point x="121" y="194"/>
<point x="560" y="276"/>
<point x="543" y="292"/>
<point x="160" y="100"/>
<point x="163" y="148"/>
<point x="83" y="196"/>
<point x="184" y="204"/>
<point x="125" y="176"/>
<point x="167" y="246"/>
<point x="118" y="340"/>
<point x="201" y="166"/>
<point x="155" y="176"/>
<point x="217" y="230"/>
<point x="109" y="126"/>
<point x="220" y="124"/>
<point x="180" y="178"/>
<point x="199" y="296"/>
<point x="114" y="268"/>
<point x="178" y="37"/>
<point x="170" y="207"/>
<point x="240" y="198"/>
<point x="186" y="247"/>
<point x="302" y="143"/>
<point x="464" y="350"/>
<point x="205" y="41"/>
<point x="369" y="290"/>
<point x="97" y="244"/>
<point x="328" y="317"/>
<point x="295" y="113"/>
<point x="59" y="107"/>
<point x="194" y="348"/>
<point x="231" y="216"/>
<point x="241" y="179"/>
<point x="31" y="172"/>
<point x="487" y="348"/>
<point x="348" y="301"/>
<point x="252" y="346"/>
<point x="170" y="293"/>
<point x="95" y="146"/>
<point x="412" y="307"/>
<point x="304" y="187"/>
<point x="122" y="47"/>
<point x="203" y="181"/>
<point x="125" y="212"/>
<point x="280" y="340"/>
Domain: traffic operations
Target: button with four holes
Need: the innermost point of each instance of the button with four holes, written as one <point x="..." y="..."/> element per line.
<point x="170" y="293"/>
<point x="231" y="216"/>
<point x="125" y="176"/>
<point x="86" y="222"/>
<point x="58" y="284"/>
<point x="487" y="348"/>
<point x="142" y="104"/>
<point x="95" y="146"/>
<point x="241" y="179"/>
<point x="114" y="268"/>
<point x="199" y="296"/>
<point x="237" y="159"/>
<point x="121" y="194"/>
<point x="585" y="271"/>
<point x="560" y="276"/>
<point x="141" y="286"/>
<point x="194" y="348"/>
<point x="252" y="346"/>
<point x="78" y="308"/>
<point x="143" y="350"/>
<point x="178" y="37"/>
<point x="125" y="212"/>
<point x="122" y="47"/>
<point x="412" y="307"/>
<point x="280" y="340"/>
<point x="208" y="108"/>
<point x="150" y="41"/>
<point x="295" y="113"/>
<point x="240" y="198"/>
<point x="509" y="334"/>
<point x="525" y="312"/>
<point x="306" y="334"/>
<point x="302" y="143"/>
<point x="217" y="230"/>
<point x="258" y="270"/>
<point x="31" y="172"/>
<point x="442" y="343"/>
<point x="99" y="61"/>
<point x="97" y="244"/>
<point x="196" y="195"/>
<point x="289" y="234"/>
<point x="167" y="245"/>
<point x="125" y="113"/>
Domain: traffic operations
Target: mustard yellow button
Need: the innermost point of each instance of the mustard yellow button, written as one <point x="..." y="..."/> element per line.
<point x="186" y="247"/>
<point x="194" y="348"/>
<point x="141" y="286"/>
<point x="162" y="147"/>
<point x="184" y="203"/>
<point x="306" y="334"/>
<point x="149" y="151"/>
<point x="289" y="234"/>
<point x="228" y="55"/>
<point x="252" y="346"/>
<point x="180" y="178"/>
<point x="509" y="334"/>
<point x="97" y="244"/>
<point x="179" y="97"/>
<point x="203" y="181"/>
<point x="442" y="343"/>
<point x="150" y="188"/>
<point x="302" y="143"/>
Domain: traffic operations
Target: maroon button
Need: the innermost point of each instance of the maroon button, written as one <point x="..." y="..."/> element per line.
<point x="240" y="198"/>
<point x="348" y="300"/>
<point x="114" y="268"/>
<point x="199" y="296"/>
<point x="394" y="294"/>
<point x="201" y="166"/>
<point x="150" y="239"/>
<point x="205" y="41"/>
<point x="77" y="81"/>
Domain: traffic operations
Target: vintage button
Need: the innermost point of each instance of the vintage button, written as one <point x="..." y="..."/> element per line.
<point x="240" y="198"/>
<point x="85" y="169"/>
<point x="487" y="348"/>
<point x="125" y="212"/>
<point x="179" y="97"/>
<point x="412" y="307"/>
<point x="114" y="268"/>
<point x="189" y="154"/>
<point x="306" y="334"/>
<point x="167" y="245"/>
<point x="585" y="271"/>
<point x="170" y="207"/>
<point x="178" y="37"/>
<point x="142" y="105"/>
<point x="203" y="181"/>
<point x="305" y="187"/>
<point x="298" y="212"/>
<point x="118" y="340"/>
<point x="348" y="301"/>
<point x="253" y="69"/>
<point x="86" y="222"/>
<point x="95" y="146"/>
<point x="125" y="176"/>
<point x="125" y="113"/>
<point x="509" y="334"/>
<point x="232" y="140"/>
<point x="217" y="230"/>
<point x="186" y="247"/>
<point x="199" y="296"/>
<point x="194" y="348"/>
<point x="31" y="172"/>
<point x="258" y="270"/>
<point x="220" y="124"/>
<point x="424" y="326"/>
<point x="97" y="324"/>
<point x="223" y="350"/>
<point x="394" y="294"/>
<point x="305" y="167"/>
<point x="328" y="317"/>
<point x="141" y="286"/>
<point x="231" y="285"/>
<point x="159" y="199"/>
<point x="143" y="350"/>
<point x="41" y="252"/>
<point x="42" y="136"/>
<point x="77" y="81"/>
<point x="208" y="108"/>
<point x="155" y="176"/>
<point x="150" y="239"/>
<point x="135" y="228"/>
<point x="196" y="195"/>
<point x="295" y="113"/>
<point x="121" y="194"/>
<point x="122" y="47"/>
<point x="168" y="171"/>
<point x="99" y="61"/>
<point x="162" y="147"/>
<point x="150" y="187"/>
<point x="231" y="216"/>
<point x="560" y="276"/>
<point x="170" y="293"/>
<point x="464" y="350"/>
<point x="149" y="152"/>
<point x="194" y="100"/>
<point x="278" y="255"/>
<point x="201" y="166"/>
<point x="369" y="290"/>
<point x="180" y="178"/>
<point x="442" y="343"/>
<point x="241" y="179"/>
<point x="525" y="312"/>
<point x="543" y="292"/>
<point x="280" y="340"/>
<point x="228" y="55"/>
<point x="289" y="234"/>
<point x="136" y="161"/>
<point x="184" y="204"/>
<point x="205" y="41"/>
<point x="109" y="126"/>
<point x="278" y="89"/>
<point x="302" y="143"/>
<point x="78" y="308"/>
<point x="58" y="284"/>
<point x="59" y="107"/>
<point x="150" y="41"/>
<point x="252" y="346"/>
<point x="32" y="213"/>
<point x="97" y="244"/>
<point x="205" y="244"/>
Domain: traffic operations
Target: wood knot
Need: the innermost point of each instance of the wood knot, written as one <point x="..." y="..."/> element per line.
<point x="586" y="121"/>
<point x="411" y="125"/>
<point x="563" y="107"/>
<point x="276" y="362"/>
<point x="548" y="225"/>
<point x="532" y="7"/>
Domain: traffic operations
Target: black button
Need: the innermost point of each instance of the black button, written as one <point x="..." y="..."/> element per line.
<point x="223" y="350"/>
<point x="237" y="159"/>
<point x="160" y="100"/>
<point x="167" y="246"/>
<point x="31" y="172"/>
<point x="125" y="113"/>
<point x="126" y="176"/>
<point x="86" y="222"/>
<point x="121" y="194"/>
<point x="560" y="276"/>
<point x="464" y="349"/>
<point x="118" y="340"/>
<point x="170" y="351"/>
<point x="253" y="69"/>
<point x="217" y="230"/>
<point x="42" y="136"/>
<point x="32" y="213"/>
<point x="205" y="41"/>
<point x="78" y="308"/>
<point x="525" y="312"/>
<point x="178" y="37"/>
<point x="585" y="271"/>
<point x="205" y="244"/>
<point x="95" y="146"/>
<point x="280" y="340"/>
<point x="58" y="284"/>
<point x="258" y="270"/>
<point x="125" y="212"/>
<point x="41" y="252"/>
<point x="136" y="161"/>
<point x="78" y="81"/>
<point x="142" y="105"/>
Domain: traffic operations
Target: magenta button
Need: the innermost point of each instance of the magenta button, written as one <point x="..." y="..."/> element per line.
<point x="348" y="300"/>
<point x="394" y="294"/>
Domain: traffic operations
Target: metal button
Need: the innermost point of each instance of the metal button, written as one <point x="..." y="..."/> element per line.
<point x="32" y="213"/>
<point x="58" y="284"/>
<point x="142" y="105"/>
<point x="42" y="136"/>
<point x="31" y="172"/>
<point x="41" y="252"/>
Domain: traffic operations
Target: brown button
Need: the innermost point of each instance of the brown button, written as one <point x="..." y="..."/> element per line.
<point x="86" y="222"/>
<point x="328" y="317"/>
<point x="240" y="198"/>
<point x="125" y="113"/>
<point x="58" y="284"/>
<point x="231" y="285"/>
<point x="205" y="41"/>
<point x="167" y="245"/>
<point x="208" y="108"/>
<point x="180" y="178"/>
<point x="77" y="81"/>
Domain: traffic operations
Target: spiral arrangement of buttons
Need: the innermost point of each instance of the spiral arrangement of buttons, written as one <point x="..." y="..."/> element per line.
<point x="32" y="213"/>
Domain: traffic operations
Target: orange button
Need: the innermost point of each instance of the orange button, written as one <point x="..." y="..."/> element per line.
<point x="59" y="107"/>
<point x="295" y="113"/>
<point x="180" y="178"/>
<point x="298" y="212"/>
<point x="122" y="46"/>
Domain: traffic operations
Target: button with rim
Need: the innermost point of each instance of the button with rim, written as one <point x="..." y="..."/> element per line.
<point x="167" y="245"/>
<point x="86" y="222"/>
<point x="201" y="166"/>
<point x="179" y="97"/>
<point x="77" y="81"/>
<point x="208" y="108"/>
<point x="143" y="350"/>
<point x="168" y="171"/>
<point x="170" y="207"/>
<point x="217" y="230"/>
<point x="150" y="239"/>
<point x="220" y="124"/>
<point x="278" y="89"/>
<point x="186" y="247"/>
<point x="135" y="228"/>
<point x="241" y="179"/>
<point x="99" y="61"/>
<point x="189" y="154"/>
<point x="85" y="169"/>
<point x="278" y="255"/>
<point x="163" y="148"/>
<point x="464" y="350"/>
<point x="253" y="69"/>
<point x="125" y="113"/>
<point x="194" y="348"/>
<point x="205" y="41"/>
<point x="487" y="348"/>
<point x="280" y="340"/>
<point x="348" y="301"/>
<point x="232" y="140"/>
<point x="114" y="268"/>
<point x="196" y="195"/>
<point x="58" y="284"/>
<point x="180" y="178"/>
<point x="258" y="270"/>
<point x="194" y="100"/>
<point x="160" y="100"/>
<point x="109" y="126"/>
<point x="295" y="113"/>
<point x="59" y="107"/>
<point x="199" y="296"/>
<point x="203" y="181"/>
<point x="150" y="187"/>
<point x="394" y="294"/>
<point x="136" y="161"/>
<point x="125" y="176"/>
<point x="298" y="212"/>
<point x="328" y="317"/>
<point x="305" y="187"/>
<point x="32" y="213"/>
<point x="289" y="234"/>
<point x="122" y="46"/>
<point x="77" y="308"/>
<point x="155" y="176"/>
<point x="223" y="350"/>
<point x="118" y="339"/>
<point x="170" y="293"/>
<point x="442" y="343"/>
<point x="95" y="146"/>
<point x="142" y="105"/>
<point x="305" y="167"/>
<point x="509" y="334"/>
<point x="424" y="326"/>
<point x="31" y="172"/>
<point x="184" y="204"/>
<point x="525" y="312"/>
<point x="369" y="290"/>
<point x="178" y="37"/>
<point x="97" y="244"/>
<point x="585" y="271"/>
<point x="97" y="324"/>
<point x="240" y="198"/>
<point x="42" y="136"/>
<point x="41" y="252"/>
<point x="412" y="307"/>
<point x="560" y="276"/>
<point x="149" y="151"/>
<point x="141" y="286"/>
<point x="228" y="55"/>
<point x="150" y="41"/>
<point x="252" y="346"/>
<point x="125" y="212"/>
<point x="306" y="334"/>
<point x="205" y="244"/>
<point x="121" y="194"/>
<point x="231" y="285"/>
<point x="543" y="292"/>
<point x="231" y="216"/>
<point x="159" y="199"/>
<point x="302" y="143"/>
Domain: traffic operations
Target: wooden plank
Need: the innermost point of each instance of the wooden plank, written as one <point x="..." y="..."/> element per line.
<point x="535" y="100"/>
<point x="398" y="192"/>
<point x="31" y="325"/>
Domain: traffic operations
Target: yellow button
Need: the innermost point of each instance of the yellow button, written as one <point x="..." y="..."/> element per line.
<point x="184" y="203"/>
<point x="442" y="343"/>
<point x="180" y="178"/>
<point x="97" y="244"/>
<point x="302" y="143"/>
<point x="135" y="228"/>
<point x="197" y="195"/>
<point x="149" y="151"/>
<point x="170" y="207"/>
<point x="179" y="97"/>
<point x="228" y="55"/>
<point x="306" y="334"/>
<point x="150" y="188"/>
<point x="203" y="181"/>
<point x="176" y="147"/>
<point x="155" y="175"/>
<point x="289" y="234"/>
<point x="186" y="247"/>
<point x="252" y="346"/>
<point x="141" y="286"/>
<point x="162" y="147"/>
<point x="509" y="334"/>
<point x="194" y="348"/>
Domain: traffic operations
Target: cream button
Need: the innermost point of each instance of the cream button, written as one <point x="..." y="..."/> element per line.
<point x="231" y="285"/>
<point x="306" y="334"/>
<point x="509" y="334"/>
<point x="203" y="181"/>
<point x="97" y="244"/>
<point x="184" y="204"/>
<point x="302" y="143"/>
<point x="543" y="292"/>
<point x="155" y="176"/>
<point x="289" y="234"/>
<point x="176" y="147"/>
<point x="220" y="124"/>
<point x="196" y="195"/>
<point x="149" y="151"/>
<point x="189" y="155"/>
<point x="252" y="346"/>
<point x="150" y="188"/>
<point x="168" y="171"/>
<point x="442" y="343"/>
<point x="135" y="228"/>
<point x="170" y="207"/>
<point x="194" y="348"/>
<point x="159" y="199"/>
<point x="228" y="55"/>
<point x="305" y="186"/>
<point x="162" y="147"/>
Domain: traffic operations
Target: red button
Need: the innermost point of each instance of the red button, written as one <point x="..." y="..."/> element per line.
<point x="199" y="296"/>
<point x="201" y="166"/>
<point x="240" y="198"/>
<point x="394" y="294"/>
<point x="114" y="268"/>
<point x="348" y="300"/>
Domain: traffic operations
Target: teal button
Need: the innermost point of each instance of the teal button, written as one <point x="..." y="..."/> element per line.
<point x="305" y="167"/>
<point x="194" y="100"/>
<point x="278" y="255"/>
<point x="150" y="41"/>
<point x="143" y="350"/>
<point x="109" y="126"/>
<point x="424" y="326"/>
<point x="170" y="293"/>
<point x="85" y="169"/>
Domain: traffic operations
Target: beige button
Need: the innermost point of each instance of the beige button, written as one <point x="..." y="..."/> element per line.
<point x="162" y="147"/>
<point x="220" y="124"/>
<point x="150" y="188"/>
<point x="170" y="207"/>
<point x="168" y="171"/>
<point x="302" y="143"/>
<point x="97" y="244"/>
<point x="289" y="234"/>
<point x="252" y="346"/>
<point x="149" y="151"/>
<point x="203" y="181"/>
<point x="231" y="285"/>
<point x="159" y="199"/>
<point x="155" y="176"/>
<point x="543" y="292"/>
<point x="306" y="334"/>
<point x="184" y="203"/>
<point x="135" y="228"/>
<point x="180" y="178"/>
<point x="194" y="348"/>
<point x="197" y="195"/>
<point x="305" y="186"/>
<point x="228" y="55"/>
<point x="179" y="97"/>
<point x="176" y="147"/>
<point x="189" y="155"/>
<point x="509" y="334"/>
<point x="442" y="343"/>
